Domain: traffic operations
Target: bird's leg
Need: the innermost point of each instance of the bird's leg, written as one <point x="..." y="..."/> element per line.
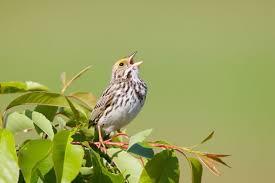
<point x="102" y="145"/>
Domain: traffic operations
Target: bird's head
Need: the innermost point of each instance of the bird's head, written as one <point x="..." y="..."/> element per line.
<point x="126" y="68"/>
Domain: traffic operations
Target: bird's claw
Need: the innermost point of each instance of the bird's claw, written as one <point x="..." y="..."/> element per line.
<point x="102" y="147"/>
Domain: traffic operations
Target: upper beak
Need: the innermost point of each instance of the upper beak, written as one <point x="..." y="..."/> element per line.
<point x="131" y="57"/>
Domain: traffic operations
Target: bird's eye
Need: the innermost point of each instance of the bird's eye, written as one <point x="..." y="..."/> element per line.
<point x="121" y="64"/>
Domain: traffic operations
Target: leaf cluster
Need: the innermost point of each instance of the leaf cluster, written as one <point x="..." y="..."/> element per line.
<point x="45" y="137"/>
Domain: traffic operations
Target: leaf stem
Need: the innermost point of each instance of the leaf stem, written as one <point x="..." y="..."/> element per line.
<point x="67" y="84"/>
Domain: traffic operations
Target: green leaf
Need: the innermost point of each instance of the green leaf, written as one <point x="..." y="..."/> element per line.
<point x="45" y="167"/>
<point x="138" y="146"/>
<point x="141" y="150"/>
<point x="67" y="158"/>
<point x="101" y="174"/>
<point x="86" y="98"/>
<point x="17" y="122"/>
<point x="163" y="168"/>
<point x="196" y="170"/>
<point x="48" y="111"/>
<point x="34" y="86"/>
<point x="208" y="137"/>
<point x="86" y="170"/>
<point x="8" y="159"/>
<point x="42" y="123"/>
<point x="59" y="123"/>
<point x="44" y="98"/>
<point x="74" y="110"/>
<point x="50" y="177"/>
<point x="139" y="137"/>
<point x="87" y="132"/>
<point x="71" y="117"/>
<point x="128" y="165"/>
<point x="30" y="155"/>
<point x="1" y="120"/>
<point x="18" y="87"/>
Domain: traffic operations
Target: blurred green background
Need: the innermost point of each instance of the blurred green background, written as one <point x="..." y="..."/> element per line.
<point x="209" y="66"/>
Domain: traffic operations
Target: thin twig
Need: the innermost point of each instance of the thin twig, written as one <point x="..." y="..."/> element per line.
<point x="67" y="84"/>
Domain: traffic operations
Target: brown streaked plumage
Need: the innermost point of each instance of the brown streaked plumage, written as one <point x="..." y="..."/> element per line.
<point x="122" y="99"/>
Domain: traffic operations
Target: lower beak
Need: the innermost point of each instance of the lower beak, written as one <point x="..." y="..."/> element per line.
<point x="138" y="63"/>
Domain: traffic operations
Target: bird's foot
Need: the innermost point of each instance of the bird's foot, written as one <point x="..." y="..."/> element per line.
<point x="102" y="146"/>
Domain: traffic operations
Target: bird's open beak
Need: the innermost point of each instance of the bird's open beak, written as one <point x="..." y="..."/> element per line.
<point x="131" y="60"/>
<point x="131" y="57"/>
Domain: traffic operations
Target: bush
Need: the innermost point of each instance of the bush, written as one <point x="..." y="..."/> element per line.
<point x="54" y="143"/>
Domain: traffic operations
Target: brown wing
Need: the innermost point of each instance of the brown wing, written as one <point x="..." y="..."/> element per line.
<point x="102" y="104"/>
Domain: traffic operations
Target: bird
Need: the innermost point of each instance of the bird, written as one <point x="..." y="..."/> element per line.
<point x="122" y="100"/>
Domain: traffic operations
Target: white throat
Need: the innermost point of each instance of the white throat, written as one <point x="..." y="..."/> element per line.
<point x="132" y="73"/>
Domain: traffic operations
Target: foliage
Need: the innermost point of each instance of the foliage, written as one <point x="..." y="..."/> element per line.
<point x="62" y="148"/>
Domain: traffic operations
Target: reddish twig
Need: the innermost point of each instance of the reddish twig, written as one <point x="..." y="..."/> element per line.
<point x="124" y="145"/>
<point x="181" y="150"/>
<point x="166" y="146"/>
<point x="117" y="135"/>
